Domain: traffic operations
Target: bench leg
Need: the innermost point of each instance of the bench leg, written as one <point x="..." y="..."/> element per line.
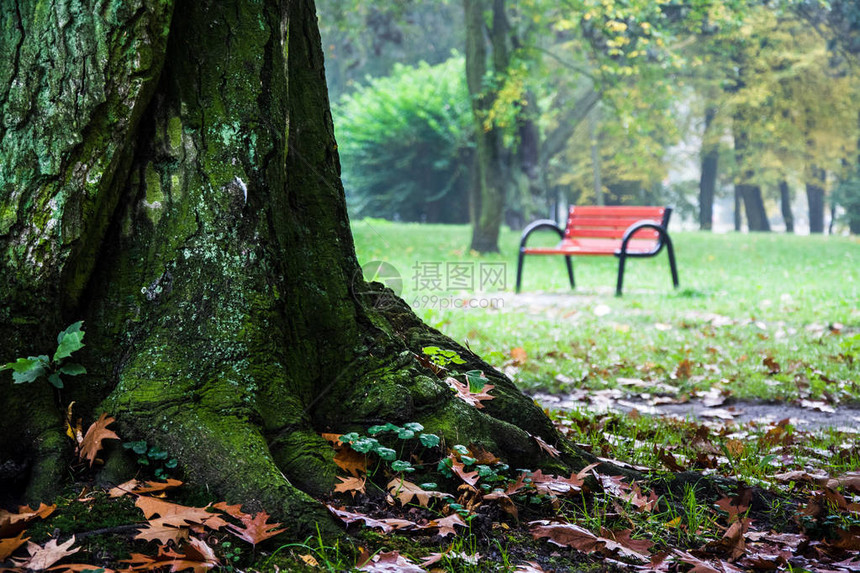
<point x="672" y="265"/>
<point x="622" y="258"/>
<point x="570" y="271"/>
<point x="520" y="270"/>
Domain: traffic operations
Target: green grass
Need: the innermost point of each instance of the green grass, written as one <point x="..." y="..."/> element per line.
<point x="744" y="298"/>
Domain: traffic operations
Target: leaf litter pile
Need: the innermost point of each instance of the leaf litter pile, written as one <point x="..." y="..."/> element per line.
<point x="707" y="500"/>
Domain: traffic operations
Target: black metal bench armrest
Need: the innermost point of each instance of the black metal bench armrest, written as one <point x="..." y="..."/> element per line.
<point x="537" y="226"/>
<point x="638" y="226"/>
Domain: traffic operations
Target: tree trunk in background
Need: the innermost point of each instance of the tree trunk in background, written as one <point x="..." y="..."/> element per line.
<point x="708" y="180"/>
<point x="182" y="195"/>
<point x="595" y="157"/>
<point x="738" y="219"/>
<point x="785" y="205"/>
<point x="745" y="190"/>
<point x="487" y="199"/>
<point x="815" y="199"/>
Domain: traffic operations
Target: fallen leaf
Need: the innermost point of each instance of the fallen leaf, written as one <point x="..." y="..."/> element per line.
<point x="519" y="356"/>
<point x="157" y="530"/>
<point x="458" y="468"/>
<point x="80" y="567"/>
<point x="13" y="523"/>
<point x="700" y="566"/>
<point x="446" y="524"/>
<point x="96" y="434"/>
<point x="8" y="546"/>
<point x="309" y="560"/>
<point x="504" y="501"/>
<point x="391" y="562"/>
<point x="255" y="529"/>
<point x="386" y="525"/>
<point x="567" y="535"/>
<point x="465" y="393"/>
<point x="158" y="486"/>
<point x="43" y="557"/>
<point x="134" y="486"/>
<point x="231" y="510"/>
<point x="551" y="450"/>
<point x="638" y="546"/>
<point x="351" y="461"/>
<point x="350" y="485"/>
<point x="178" y="515"/>
<point x="668" y="460"/>
<point x="850" y="481"/>
<point x="124" y="488"/>
<point x="405" y="491"/>
<point x="771" y="365"/>
<point x="555" y="485"/>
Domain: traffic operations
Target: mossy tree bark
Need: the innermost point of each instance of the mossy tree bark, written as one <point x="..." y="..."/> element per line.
<point x="169" y="174"/>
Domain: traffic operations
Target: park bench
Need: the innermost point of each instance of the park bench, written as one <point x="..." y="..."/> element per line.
<point x="624" y="232"/>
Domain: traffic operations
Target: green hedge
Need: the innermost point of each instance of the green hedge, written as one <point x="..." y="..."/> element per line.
<point x="406" y="144"/>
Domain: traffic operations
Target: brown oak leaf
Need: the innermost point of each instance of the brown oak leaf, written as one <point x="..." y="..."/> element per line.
<point x="405" y="491"/>
<point x="255" y="529"/>
<point x="13" y="523"/>
<point x="465" y="393"/>
<point x="157" y="530"/>
<point x="386" y="525"/>
<point x="351" y="461"/>
<point x="551" y="450"/>
<point x="567" y="535"/>
<point x="8" y="546"/>
<point x="458" y="468"/>
<point x="391" y="562"/>
<point x="352" y="485"/>
<point x="178" y="515"/>
<point x="446" y="524"/>
<point x="96" y="434"/>
<point x="42" y="557"/>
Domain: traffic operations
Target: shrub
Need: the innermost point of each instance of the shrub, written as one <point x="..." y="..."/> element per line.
<point x="406" y="144"/>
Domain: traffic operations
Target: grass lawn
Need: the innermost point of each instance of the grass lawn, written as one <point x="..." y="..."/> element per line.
<point x="762" y="316"/>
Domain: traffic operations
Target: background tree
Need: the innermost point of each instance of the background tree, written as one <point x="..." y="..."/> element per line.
<point x="170" y="176"/>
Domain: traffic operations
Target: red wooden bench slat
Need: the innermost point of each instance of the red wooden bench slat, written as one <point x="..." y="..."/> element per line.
<point x="609" y="233"/>
<point x="637" y="212"/>
<point x="590" y="247"/>
<point x="620" y="222"/>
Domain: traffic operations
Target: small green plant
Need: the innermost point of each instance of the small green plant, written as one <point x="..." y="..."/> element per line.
<point x="30" y="369"/>
<point x="370" y="445"/>
<point x="231" y="553"/>
<point x="442" y="357"/>
<point x="153" y="456"/>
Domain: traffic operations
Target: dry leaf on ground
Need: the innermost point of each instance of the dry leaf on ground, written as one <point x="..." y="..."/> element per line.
<point x="255" y="529"/>
<point x="96" y="434"/>
<point x="42" y="557"/>
<point x="14" y="523"/>
<point x="405" y="491"/>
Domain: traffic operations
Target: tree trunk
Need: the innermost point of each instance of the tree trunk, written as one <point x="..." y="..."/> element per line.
<point x="745" y="191"/>
<point x="815" y="199"/>
<point x="181" y="194"/>
<point x="487" y="198"/>
<point x="595" y="158"/>
<point x="708" y="180"/>
<point x="785" y="205"/>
